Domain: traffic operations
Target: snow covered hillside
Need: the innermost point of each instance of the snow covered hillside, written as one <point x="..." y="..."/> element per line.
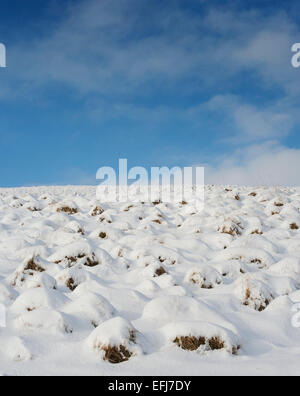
<point x="149" y="289"/>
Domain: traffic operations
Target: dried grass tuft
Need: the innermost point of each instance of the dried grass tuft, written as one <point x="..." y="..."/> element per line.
<point x="233" y="230"/>
<point x="91" y="261"/>
<point x="68" y="210"/>
<point x="32" y="266"/>
<point x="156" y="221"/>
<point x="97" y="211"/>
<point x="278" y="204"/>
<point x="190" y="343"/>
<point x="34" y="209"/>
<point x="257" y="232"/>
<point x="116" y="355"/>
<point x="258" y="304"/>
<point x="160" y="271"/>
<point x="216" y="343"/>
<point x="71" y="284"/>
<point x="157" y="202"/>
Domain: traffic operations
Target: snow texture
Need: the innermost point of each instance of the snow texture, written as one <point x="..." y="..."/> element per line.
<point x="168" y="289"/>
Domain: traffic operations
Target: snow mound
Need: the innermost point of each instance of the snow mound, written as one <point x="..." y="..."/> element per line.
<point x="206" y="277"/>
<point x="201" y="336"/>
<point x="16" y="350"/>
<point x="254" y="293"/>
<point x="43" y="320"/>
<point x="92" y="307"/>
<point x="32" y="273"/>
<point x="33" y="299"/>
<point x="82" y="253"/>
<point x="115" y="340"/>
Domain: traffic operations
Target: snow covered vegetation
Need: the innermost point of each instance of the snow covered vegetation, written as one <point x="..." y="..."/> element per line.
<point x="149" y="288"/>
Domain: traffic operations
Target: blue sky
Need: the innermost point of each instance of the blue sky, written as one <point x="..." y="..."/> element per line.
<point x="162" y="83"/>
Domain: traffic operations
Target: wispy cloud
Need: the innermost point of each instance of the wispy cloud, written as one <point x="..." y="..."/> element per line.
<point x="250" y="122"/>
<point x="135" y="47"/>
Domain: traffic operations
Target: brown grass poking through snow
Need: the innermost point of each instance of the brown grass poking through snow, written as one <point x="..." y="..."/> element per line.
<point x="256" y="261"/>
<point x="119" y="354"/>
<point x="102" y="235"/>
<point x="259" y="305"/>
<point x="68" y="210"/>
<point x="257" y="232"/>
<point x="81" y="231"/>
<point x="34" y="209"/>
<point x="91" y="261"/>
<point x="215" y="343"/>
<point x="71" y="284"/>
<point x="128" y="208"/>
<point x="198" y="279"/>
<point x="116" y="355"/>
<point x="156" y="221"/>
<point x="29" y="270"/>
<point x="97" y="211"/>
<point x="102" y="219"/>
<point x="278" y="204"/>
<point x="160" y="271"/>
<point x="74" y="259"/>
<point x="248" y="293"/>
<point x="233" y="230"/>
<point x="157" y="202"/>
<point x="71" y="259"/>
<point x="235" y="349"/>
<point x="253" y="194"/>
<point x="294" y="226"/>
<point x="190" y="343"/>
<point x="32" y="266"/>
<point x="263" y="306"/>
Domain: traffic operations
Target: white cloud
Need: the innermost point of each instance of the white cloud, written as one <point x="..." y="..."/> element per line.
<point x="268" y="164"/>
<point x="269" y="53"/>
<point x="253" y="123"/>
<point x="257" y="124"/>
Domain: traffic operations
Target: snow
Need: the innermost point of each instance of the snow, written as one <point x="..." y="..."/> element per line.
<point x="79" y="278"/>
<point x="114" y="332"/>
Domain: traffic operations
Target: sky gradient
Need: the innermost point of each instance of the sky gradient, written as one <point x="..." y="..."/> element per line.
<point x="162" y="83"/>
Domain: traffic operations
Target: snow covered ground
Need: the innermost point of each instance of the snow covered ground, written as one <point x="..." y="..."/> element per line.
<point x="159" y="288"/>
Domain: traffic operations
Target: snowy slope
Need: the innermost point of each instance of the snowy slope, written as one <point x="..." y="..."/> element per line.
<point x="159" y="287"/>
